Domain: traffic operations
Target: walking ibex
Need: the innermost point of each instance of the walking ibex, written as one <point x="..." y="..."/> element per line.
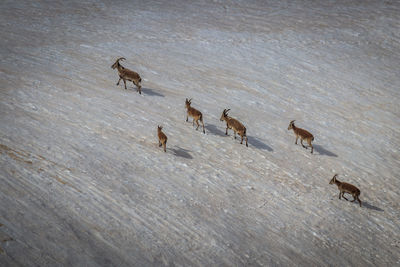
<point x="346" y="188"/>
<point x="303" y="134"/>
<point x="162" y="138"/>
<point x="235" y="125"/>
<point x="194" y="113"/>
<point x="127" y="75"/>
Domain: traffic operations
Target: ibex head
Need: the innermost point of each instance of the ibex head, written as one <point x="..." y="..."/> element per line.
<point x="188" y="102"/>
<point x="115" y="65"/>
<point x="333" y="180"/>
<point x="159" y="127"/>
<point x="224" y="114"/>
<point x="291" y="124"/>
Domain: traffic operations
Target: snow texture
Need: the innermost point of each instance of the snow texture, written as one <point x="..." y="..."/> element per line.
<point x="84" y="183"/>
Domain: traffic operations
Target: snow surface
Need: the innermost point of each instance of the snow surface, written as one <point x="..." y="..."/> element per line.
<point x="84" y="183"/>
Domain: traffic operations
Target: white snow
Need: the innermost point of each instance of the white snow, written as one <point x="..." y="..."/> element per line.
<point x="84" y="183"/>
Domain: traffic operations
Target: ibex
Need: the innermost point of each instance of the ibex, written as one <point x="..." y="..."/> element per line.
<point x="162" y="138"/>
<point x="127" y="75"/>
<point x="346" y="188"/>
<point x="194" y="113"/>
<point x="303" y="134"/>
<point x="235" y="125"/>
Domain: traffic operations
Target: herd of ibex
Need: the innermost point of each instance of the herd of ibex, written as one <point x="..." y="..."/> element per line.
<point x="231" y="123"/>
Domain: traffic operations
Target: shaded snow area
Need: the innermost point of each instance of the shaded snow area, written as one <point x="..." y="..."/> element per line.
<point x="84" y="183"/>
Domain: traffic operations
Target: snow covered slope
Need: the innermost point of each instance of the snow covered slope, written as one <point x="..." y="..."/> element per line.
<point x="84" y="183"/>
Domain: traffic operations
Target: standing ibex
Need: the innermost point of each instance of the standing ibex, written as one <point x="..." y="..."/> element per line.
<point x="162" y="138"/>
<point x="194" y="113"/>
<point x="235" y="125"/>
<point x="303" y="134"/>
<point x="346" y="188"/>
<point x="127" y="75"/>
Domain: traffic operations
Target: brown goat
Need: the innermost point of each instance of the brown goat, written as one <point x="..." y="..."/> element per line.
<point x="303" y="134"/>
<point x="194" y="113"/>
<point x="235" y="125"/>
<point x="127" y="75"/>
<point x="346" y="188"/>
<point x="162" y="138"/>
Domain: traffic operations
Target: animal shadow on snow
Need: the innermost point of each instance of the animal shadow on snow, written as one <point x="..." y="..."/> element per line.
<point x="151" y="92"/>
<point x="254" y="141"/>
<point x="323" y="151"/>
<point x="366" y="205"/>
<point x="214" y="130"/>
<point x="181" y="152"/>
<point x="371" y="207"/>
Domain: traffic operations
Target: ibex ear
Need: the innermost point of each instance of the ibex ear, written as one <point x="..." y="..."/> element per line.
<point x="227" y="110"/>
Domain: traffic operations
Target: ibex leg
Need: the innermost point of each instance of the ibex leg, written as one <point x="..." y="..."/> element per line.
<point x="301" y="141"/>
<point x="309" y="143"/>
